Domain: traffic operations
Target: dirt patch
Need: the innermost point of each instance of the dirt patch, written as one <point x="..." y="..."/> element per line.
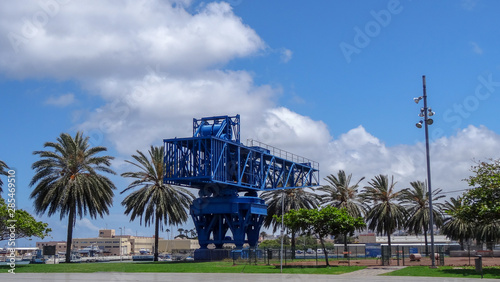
<point x="448" y="261"/>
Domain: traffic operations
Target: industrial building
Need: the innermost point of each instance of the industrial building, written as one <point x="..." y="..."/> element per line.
<point x="109" y="244"/>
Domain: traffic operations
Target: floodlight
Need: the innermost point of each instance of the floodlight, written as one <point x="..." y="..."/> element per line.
<point x="419" y="124"/>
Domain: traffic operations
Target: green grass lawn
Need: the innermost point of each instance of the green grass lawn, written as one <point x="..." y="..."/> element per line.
<point x="447" y="271"/>
<point x="201" y="267"/>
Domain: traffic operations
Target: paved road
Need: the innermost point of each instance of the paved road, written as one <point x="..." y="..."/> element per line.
<point x="214" y="277"/>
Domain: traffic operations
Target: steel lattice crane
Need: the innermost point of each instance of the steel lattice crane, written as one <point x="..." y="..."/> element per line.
<point x="228" y="175"/>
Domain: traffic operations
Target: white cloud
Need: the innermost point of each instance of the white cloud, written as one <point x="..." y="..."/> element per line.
<point x="118" y="39"/>
<point x="286" y="55"/>
<point x="61" y="101"/>
<point x="85" y="228"/>
<point x="362" y="154"/>
<point x="143" y="112"/>
<point x="476" y="49"/>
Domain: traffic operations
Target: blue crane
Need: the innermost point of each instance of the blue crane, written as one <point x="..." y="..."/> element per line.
<point x="229" y="176"/>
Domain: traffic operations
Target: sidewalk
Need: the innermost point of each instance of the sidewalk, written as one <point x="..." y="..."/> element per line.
<point x="360" y="276"/>
<point x="372" y="271"/>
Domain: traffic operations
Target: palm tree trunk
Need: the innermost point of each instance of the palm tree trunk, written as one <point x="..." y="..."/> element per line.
<point x="69" y="239"/>
<point x="389" y="243"/>
<point x="293" y="244"/>
<point x="389" y="238"/>
<point x="157" y="230"/>
<point x="426" y="244"/>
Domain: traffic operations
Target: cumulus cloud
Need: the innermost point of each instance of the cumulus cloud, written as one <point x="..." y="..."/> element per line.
<point x="106" y="38"/>
<point x="61" y="101"/>
<point x="157" y="107"/>
<point x="362" y="154"/>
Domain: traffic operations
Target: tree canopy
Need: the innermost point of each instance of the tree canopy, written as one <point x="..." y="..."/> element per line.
<point x="323" y="222"/>
<point x="25" y="225"/>
<point x="482" y="202"/>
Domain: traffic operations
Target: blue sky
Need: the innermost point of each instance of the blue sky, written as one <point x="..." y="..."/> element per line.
<point x="329" y="80"/>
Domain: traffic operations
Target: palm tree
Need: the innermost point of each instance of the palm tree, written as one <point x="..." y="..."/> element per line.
<point x="417" y="200"/>
<point x="289" y="199"/>
<point x="180" y="230"/>
<point x="385" y="214"/>
<point x="3" y="171"/>
<point x="455" y="227"/>
<point x="341" y="194"/>
<point x="263" y="235"/>
<point x="67" y="181"/>
<point x="489" y="233"/>
<point x="155" y="200"/>
<point x="192" y="232"/>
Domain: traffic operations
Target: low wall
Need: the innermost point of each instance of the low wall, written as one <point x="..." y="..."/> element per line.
<point x="495" y="253"/>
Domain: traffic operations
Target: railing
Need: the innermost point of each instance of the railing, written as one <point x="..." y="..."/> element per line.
<point x="283" y="154"/>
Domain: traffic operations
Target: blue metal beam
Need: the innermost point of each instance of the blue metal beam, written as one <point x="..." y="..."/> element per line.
<point x="215" y="161"/>
<point x="194" y="161"/>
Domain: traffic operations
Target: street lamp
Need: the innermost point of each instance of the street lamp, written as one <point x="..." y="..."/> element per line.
<point x="282" y="227"/>
<point x="121" y="243"/>
<point x="425" y="113"/>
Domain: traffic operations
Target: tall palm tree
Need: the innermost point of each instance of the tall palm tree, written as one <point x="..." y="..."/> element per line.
<point x="155" y="200"/>
<point x="341" y="194"/>
<point x="67" y="181"/>
<point x="193" y="234"/>
<point x="385" y="214"/>
<point x="3" y="171"/>
<point x="263" y="235"/>
<point x="289" y="199"/>
<point x="489" y="233"/>
<point x="180" y="230"/>
<point x="455" y="227"/>
<point x="416" y="199"/>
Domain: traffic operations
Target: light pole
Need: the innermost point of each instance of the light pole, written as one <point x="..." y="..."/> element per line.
<point x="282" y="228"/>
<point x="425" y="113"/>
<point x="121" y="243"/>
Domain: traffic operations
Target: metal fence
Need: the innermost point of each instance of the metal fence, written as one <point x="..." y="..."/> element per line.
<point x="355" y="254"/>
